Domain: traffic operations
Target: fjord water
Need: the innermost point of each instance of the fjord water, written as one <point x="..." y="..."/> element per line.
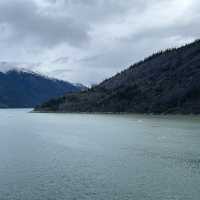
<point x="90" y="156"/>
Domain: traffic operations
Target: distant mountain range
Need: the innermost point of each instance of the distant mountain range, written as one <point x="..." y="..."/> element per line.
<point x="166" y="82"/>
<point x="20" y="88"/>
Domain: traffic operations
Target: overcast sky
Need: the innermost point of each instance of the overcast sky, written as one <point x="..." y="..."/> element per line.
<point x="89" y="40"/>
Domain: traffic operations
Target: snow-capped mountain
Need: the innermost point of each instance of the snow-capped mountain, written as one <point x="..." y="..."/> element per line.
<point x="25" y="88"/>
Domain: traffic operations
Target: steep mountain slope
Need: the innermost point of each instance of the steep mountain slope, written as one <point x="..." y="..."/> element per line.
<point x="27" y="89"/>
<point x="166" y="82"/>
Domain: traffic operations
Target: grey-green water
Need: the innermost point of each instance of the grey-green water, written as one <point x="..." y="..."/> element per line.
<point x="107" y="157"/>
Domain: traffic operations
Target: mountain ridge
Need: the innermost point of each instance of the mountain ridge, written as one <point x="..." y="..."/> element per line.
<point x="165" y="82"/>
<point x="21" y="88"/>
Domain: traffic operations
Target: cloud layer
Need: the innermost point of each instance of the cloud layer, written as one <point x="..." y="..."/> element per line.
<point x="89" y="40"/>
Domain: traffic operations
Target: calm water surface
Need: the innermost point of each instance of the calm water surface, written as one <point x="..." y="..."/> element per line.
<point x="98" y="157"/>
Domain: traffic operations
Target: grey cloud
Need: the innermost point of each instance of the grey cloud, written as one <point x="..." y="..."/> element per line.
<point x="91" y="58"/>
<point x="61" y="60"/>
<point x="93" y="38"/>
<point x="27" y="22"/>
<point x="103" y="11"/>
<point x="61" y="71"/>
<point x="178" y="30"/>
<point x="6" y="65"/>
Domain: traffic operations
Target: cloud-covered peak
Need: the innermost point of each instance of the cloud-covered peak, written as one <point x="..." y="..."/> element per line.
<point x="86" y="40"/>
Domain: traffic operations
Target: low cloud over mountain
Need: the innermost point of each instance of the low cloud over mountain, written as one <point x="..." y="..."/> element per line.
<point x="98" y="37"/>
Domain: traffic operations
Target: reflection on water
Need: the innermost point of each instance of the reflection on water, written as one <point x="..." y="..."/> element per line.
<point x="79" y="156"/>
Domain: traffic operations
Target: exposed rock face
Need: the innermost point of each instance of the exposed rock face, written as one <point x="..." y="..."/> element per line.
<point x="166" y="82"/>
<point x="20" y="89"/>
